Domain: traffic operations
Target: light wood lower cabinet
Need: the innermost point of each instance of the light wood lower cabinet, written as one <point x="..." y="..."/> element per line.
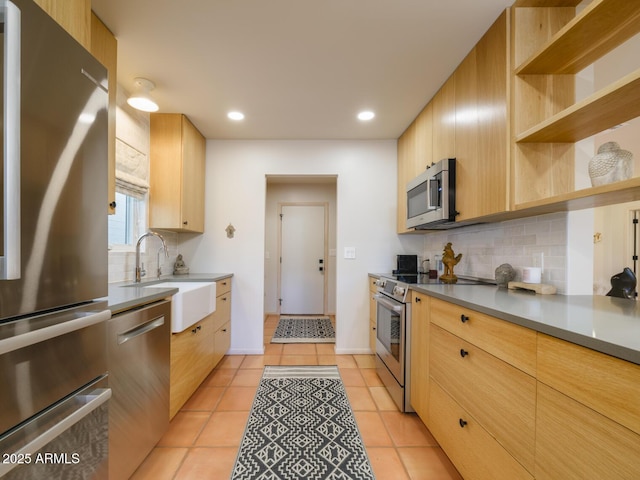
<point x="191" y="361"/>
<point x="508" y="402"/>
<point x="372" y="315"/>
<point x="222" y="320"/>
<point x="198" y="349"/>
<point x="475" y="453"/>
<point x="575" y="442"/>
<point x="510" y="342"/>
<point x="420" y="329"/>
<point x="499" y="396"/>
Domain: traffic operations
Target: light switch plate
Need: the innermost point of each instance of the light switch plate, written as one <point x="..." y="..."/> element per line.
<point x="350" y="252"/>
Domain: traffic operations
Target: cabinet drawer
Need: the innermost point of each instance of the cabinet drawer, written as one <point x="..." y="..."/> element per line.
<point x="575" y="442"/>
<point x="474" y="452"/>
<point x="221" y="342"/>
<point x="191" y="361"/>
<point x="223" y="310"/>
<point x="223" y="286"/>
<point x="499" y="396"/>
<point x="602" y="382"/>
<point x="509" y="342"/>
<point x="372" y="285"/>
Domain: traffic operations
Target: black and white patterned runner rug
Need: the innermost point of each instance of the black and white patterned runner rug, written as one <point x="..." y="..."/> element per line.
<point x="304" y="330"/>
<point x="301" y="427"/>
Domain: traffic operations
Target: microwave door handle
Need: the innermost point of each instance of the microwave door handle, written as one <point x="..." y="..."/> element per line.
<point x="430" y="185"/>
<point x="10" y="259"/>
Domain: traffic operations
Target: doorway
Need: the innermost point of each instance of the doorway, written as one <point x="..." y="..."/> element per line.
<point x="282" y="190"/>
<point x="303" y="253"/>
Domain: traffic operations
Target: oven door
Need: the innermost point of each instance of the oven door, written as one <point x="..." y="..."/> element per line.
<point x="390" y="325"/>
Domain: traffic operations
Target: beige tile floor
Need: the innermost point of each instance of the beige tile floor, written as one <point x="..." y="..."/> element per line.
<point x="204" y="437"/>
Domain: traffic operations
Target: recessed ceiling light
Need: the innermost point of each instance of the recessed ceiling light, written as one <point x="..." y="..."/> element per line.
<point x="236" y="115"/>
<point x="366" y="115"/>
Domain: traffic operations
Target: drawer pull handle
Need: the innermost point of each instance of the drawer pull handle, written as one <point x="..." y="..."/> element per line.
<point x="462" y="423"/>
<point x="195" y="330"/>
<point x="417" y="300"/>
<point x="464" y="318"/>
<point x="463" y="353"/>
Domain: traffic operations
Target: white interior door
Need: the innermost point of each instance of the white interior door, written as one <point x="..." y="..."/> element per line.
<point x="302" y="261"/>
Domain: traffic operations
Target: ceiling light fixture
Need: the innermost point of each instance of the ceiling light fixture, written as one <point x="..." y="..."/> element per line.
<point x="141" y="98"/>
<point x="236" y="116"/>
<point x="366" y="115"/>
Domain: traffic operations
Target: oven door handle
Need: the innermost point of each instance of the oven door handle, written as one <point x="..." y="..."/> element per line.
<point x="89" y="402"/>
<point x="381" y="299"/>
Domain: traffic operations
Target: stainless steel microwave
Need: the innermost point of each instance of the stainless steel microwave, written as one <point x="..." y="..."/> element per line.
<point x="431" y="197"/>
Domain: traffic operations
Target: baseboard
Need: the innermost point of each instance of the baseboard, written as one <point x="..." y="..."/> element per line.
<point x="245" y="351"/>
<point x="353" y="351"/>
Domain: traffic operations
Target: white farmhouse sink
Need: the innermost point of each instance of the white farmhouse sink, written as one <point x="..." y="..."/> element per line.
<point x="193" y="302"/>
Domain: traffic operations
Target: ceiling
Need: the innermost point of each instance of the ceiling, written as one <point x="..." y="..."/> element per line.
<point x="297" y="69"/>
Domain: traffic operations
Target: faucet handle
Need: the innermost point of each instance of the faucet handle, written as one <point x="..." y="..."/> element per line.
<point x="143" y="272"/>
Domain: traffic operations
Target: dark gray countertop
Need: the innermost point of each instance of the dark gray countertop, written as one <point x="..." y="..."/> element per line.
<point x="605" y="324"/>
<point x="127" y="295"/>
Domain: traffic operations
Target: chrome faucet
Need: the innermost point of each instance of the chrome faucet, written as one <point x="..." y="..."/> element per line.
<point x="164" y="245"/>
<point x="158" y="259"/>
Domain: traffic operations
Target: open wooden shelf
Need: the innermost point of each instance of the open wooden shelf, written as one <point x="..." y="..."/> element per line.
<point x="611" y="106"/>
<point x="612" y="193"/>
<point x="598" y="29"/>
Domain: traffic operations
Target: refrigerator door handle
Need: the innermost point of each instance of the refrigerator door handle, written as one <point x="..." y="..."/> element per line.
<point x="36" y="336"/>
<point x="10" y="259"/>
<point x="89" y="403"/>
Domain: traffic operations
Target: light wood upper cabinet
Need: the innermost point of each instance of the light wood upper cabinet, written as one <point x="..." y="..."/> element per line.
<point x="481" y="140"/>
<point x="414" y="155"/>
<point x="177" y="158"/>
<point x="73" y="15"/>
<point x="104" y="47"/>
<point x="444" y="121"/>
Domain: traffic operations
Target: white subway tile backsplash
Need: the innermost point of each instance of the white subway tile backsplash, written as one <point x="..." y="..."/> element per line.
<point x="521" y="243"/>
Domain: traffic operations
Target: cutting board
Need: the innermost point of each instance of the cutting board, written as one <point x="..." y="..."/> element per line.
<point x="541" y="288"/>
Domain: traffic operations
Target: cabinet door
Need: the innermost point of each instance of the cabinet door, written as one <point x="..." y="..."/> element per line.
<point x="104" y="47"/>
<point x="191" y="361"/>
<point x="193" y="154"/>
<point x="176" y="197"/>
<point x="406" y="159"/>
<point x="420" y="355"/>
<point x="221" y="342"/>
<point x="481" y="126"/>
<point x="444" y="121"/>
<point x="467" y="161"/>
<point x="575" y="442"/>
<point x="72" y="15"/>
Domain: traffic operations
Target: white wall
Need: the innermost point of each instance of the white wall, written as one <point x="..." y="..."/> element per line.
<point x="365" y="219"/>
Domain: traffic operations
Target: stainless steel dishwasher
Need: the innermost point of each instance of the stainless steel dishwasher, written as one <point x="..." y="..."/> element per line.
<point x="139" y="361"/>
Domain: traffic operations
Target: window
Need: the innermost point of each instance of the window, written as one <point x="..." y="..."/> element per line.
<point x="129" y="221"/>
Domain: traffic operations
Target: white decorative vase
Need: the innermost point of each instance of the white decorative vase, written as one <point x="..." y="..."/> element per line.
<point x="610" y="164"/>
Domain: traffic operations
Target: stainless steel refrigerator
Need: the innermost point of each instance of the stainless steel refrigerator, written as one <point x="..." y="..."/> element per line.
<point x="53" y="248"/>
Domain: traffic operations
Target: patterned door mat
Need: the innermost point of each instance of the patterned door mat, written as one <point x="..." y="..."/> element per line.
<point x="304" y="330"/>
<point x="301" y="427"/>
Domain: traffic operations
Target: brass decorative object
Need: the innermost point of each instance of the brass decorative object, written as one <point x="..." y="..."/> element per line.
<point x="450" y="260"/>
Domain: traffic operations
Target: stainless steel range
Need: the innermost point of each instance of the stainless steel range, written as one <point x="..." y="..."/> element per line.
<point x="393" y="356"/>
<point x="393" y="330"/>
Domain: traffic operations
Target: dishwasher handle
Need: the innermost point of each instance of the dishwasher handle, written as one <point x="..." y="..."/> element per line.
<point x="140" y="330"/>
